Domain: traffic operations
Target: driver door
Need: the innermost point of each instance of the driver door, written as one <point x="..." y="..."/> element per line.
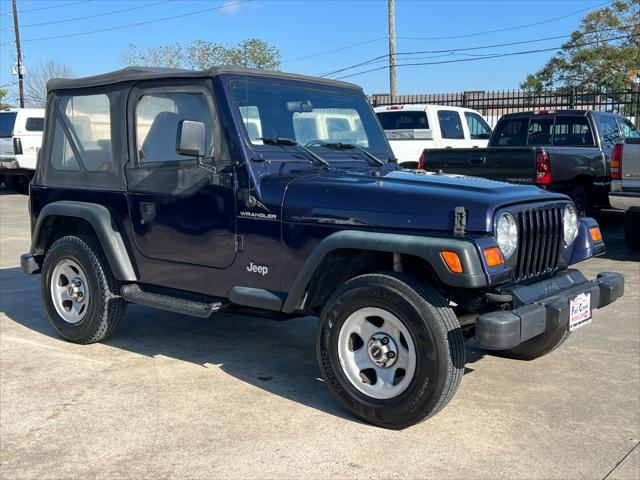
<point x="182" y="209"/>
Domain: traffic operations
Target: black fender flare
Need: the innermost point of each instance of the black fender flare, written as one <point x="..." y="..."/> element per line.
<point x="106" y="231"/>
<point x="428" y="248"/>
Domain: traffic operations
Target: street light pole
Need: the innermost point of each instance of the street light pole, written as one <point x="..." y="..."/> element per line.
<point x="392" y="51"/>
<point x="18" y="54"/>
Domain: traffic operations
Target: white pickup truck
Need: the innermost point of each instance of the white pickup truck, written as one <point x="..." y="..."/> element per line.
<point x="20" y="140"/>
<point x="625" y="187"/>
<point x="412" y="128"/>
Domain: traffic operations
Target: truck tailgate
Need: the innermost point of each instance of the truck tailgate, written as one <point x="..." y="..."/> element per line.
<point x="508" y="164"/>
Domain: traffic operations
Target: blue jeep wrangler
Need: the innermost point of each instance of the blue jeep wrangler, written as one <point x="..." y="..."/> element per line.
<point x="228" y="189"/>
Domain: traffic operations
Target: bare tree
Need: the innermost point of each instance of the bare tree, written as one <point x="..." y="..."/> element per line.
<point x="36" y="79"/>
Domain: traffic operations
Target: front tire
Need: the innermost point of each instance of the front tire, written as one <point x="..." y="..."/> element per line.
<point x="79" y="292"/>
<point x="390" y="349"/>
<point x="18" y="183"/>
<point x="538" y="346"/>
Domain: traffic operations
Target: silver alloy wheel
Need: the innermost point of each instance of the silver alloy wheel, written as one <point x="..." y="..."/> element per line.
<point x="377" y="353"/>
<point x="69" y="291"/>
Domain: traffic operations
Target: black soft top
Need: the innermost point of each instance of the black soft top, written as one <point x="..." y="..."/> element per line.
<point x="153" y="73"/>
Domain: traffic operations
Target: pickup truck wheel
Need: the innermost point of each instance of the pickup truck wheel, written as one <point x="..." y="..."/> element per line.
<point x="581" y="201"/>
<point x="632" y="230"/>
<point x="390" y="349"/>
<point x="79" y="292"/>
<point x="537" y="346"/>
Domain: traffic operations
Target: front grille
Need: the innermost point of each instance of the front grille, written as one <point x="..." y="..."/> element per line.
<point x="540" y="230"/>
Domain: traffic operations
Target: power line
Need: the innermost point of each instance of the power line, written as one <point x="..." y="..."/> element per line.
<point x="118" y="27"/>
<point x="50" y="6"/>
<point x="524" y="52"/>
<point x="113" y="12"/>
<point x="455" y="50"/>
<point x="542" y="22"/>
<point x="339" y="49"/>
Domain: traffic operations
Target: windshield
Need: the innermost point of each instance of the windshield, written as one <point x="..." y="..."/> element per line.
<point x="7" y="120"/>
<point x="310" y="114"/>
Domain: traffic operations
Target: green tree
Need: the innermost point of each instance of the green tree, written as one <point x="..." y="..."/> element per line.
<point x="200" y="54"/>
<point x="3" y="98"/>
<point x="604" y="53"/>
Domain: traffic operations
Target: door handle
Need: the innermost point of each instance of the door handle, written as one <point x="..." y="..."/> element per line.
<point x="477" y="161"/>
<point x="147" y="211"/>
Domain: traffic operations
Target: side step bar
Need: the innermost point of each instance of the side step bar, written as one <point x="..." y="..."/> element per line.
<point x="134" y="294"/>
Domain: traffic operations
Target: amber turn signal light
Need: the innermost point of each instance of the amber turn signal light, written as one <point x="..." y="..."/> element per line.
<point x="452" y="260"/>
<point x="493" y="256"/>
<point x="596" y="236"/>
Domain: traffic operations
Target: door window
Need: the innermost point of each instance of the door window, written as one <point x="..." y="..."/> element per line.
<point x="479" y="129"/>
<point x="627" y="129"/>
<point x="450" y="125"/>
<point x="609" y="132"/>
<point x="157" y="118"/>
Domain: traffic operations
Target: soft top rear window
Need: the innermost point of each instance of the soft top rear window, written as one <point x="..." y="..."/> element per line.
<point x="7" y="121"/>
<point x="401" y="120"/>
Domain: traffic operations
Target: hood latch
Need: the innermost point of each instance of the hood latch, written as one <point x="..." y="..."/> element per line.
<point x="459" y="221"/>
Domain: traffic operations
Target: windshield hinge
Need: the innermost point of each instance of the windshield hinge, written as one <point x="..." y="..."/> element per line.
<point x="237" y="243"/>
<point x="459" y="221"/>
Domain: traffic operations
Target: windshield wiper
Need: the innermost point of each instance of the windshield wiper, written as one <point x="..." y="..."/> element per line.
<point x="353" y="146"/>
<point x="292" y="143"/>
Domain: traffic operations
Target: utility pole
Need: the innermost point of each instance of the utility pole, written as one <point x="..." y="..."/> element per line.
<point x="392" y="50"/>
<point x="18" y="54"/>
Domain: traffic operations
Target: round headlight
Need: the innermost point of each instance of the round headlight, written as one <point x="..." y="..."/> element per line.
<point x="570" y="222"/>
<point x="507" y="234"/>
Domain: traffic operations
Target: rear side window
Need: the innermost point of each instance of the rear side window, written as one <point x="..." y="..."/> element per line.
<point x="62" y="156"/>
<point x="450" y="124"/>
<point x="540" y="131"/>
<point x="7" y="120"/>
<point x="89" y="121"/>
<point x="479" y="129"/>
<point x="157" y="118"/>
<point x="511" y="133"/>
<point x="627" y="129"/>
<point x="609" y="132"/>
<point x="572" y="131"/>
<point x="408" y="120"/>
<point x="34" y="124"/>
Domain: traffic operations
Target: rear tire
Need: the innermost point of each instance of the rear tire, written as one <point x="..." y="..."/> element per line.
<point x="419" y="327"/>
<point x="537" y="346"/>
<point x="18" y="183"/>
<point x="79" y="292"/>
<point x="581" y="201"/>
<point x="632" y="230"/>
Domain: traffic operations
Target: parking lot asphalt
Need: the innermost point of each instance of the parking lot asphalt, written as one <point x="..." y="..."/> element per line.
<point x="240" y="397"/>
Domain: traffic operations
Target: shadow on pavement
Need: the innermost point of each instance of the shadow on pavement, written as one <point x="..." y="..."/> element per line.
<point x="612" y="226"/>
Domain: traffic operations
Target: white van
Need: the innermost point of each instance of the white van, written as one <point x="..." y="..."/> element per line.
<point x="412" y="128"/>
<point x="20" y="139"/>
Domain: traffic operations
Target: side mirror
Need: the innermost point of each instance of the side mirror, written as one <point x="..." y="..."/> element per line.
<point x="191" y="139"/>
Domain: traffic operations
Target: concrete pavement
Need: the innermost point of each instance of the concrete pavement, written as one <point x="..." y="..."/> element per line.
<point x="240" y="397"/>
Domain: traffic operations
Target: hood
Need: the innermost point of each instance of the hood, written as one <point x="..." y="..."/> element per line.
<point x="402" y="199"/>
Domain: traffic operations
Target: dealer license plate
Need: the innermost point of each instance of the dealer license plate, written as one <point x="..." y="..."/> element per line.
<point x="580" y="311"/>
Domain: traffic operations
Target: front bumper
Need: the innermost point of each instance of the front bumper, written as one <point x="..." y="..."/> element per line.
<point x="544" y="306"/>
<point x="9" y="163"/>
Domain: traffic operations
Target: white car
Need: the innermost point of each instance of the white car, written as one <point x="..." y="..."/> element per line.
<point x="20" y="140"/>
<point x="412" y="128"/>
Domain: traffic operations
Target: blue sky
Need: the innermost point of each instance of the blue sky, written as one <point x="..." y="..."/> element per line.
<point x="300" y="28"/>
